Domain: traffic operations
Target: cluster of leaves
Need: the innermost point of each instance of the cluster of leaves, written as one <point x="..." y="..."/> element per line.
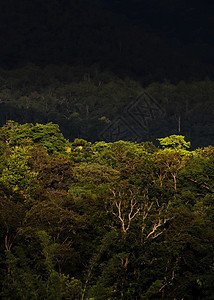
<point x="121" y="220"/>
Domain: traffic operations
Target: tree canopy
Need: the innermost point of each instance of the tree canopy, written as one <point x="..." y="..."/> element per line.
<point x="121" y="220"/>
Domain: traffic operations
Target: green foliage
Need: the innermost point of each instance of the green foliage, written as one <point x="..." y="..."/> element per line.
<point x="80" y="150"/>
<point x="17" y="174"/>
<point x="71" y="288"/>
<point x="20" y="282"/>
<point x="49" y="136"/>
<point x="176" y="142"/>
<point x="153" y="289"/>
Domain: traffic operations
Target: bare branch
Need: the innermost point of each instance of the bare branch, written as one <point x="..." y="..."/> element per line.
<point x="132" y="213"/>
<point x="155" y="227"/>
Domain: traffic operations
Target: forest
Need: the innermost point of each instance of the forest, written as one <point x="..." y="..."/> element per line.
<point x="84" y="101"/>
<point x="104" y="220"/>
<point x="106" y="150"/>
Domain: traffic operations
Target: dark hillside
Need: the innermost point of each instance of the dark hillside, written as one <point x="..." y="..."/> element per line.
<point x="148" y="42"/>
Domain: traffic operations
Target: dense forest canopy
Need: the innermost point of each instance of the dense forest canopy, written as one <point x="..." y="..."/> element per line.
<point x="121" y="220"/>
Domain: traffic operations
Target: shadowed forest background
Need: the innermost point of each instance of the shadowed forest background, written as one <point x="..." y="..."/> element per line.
<point x="85" y="101"/>
<point x="80" y="63"/>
